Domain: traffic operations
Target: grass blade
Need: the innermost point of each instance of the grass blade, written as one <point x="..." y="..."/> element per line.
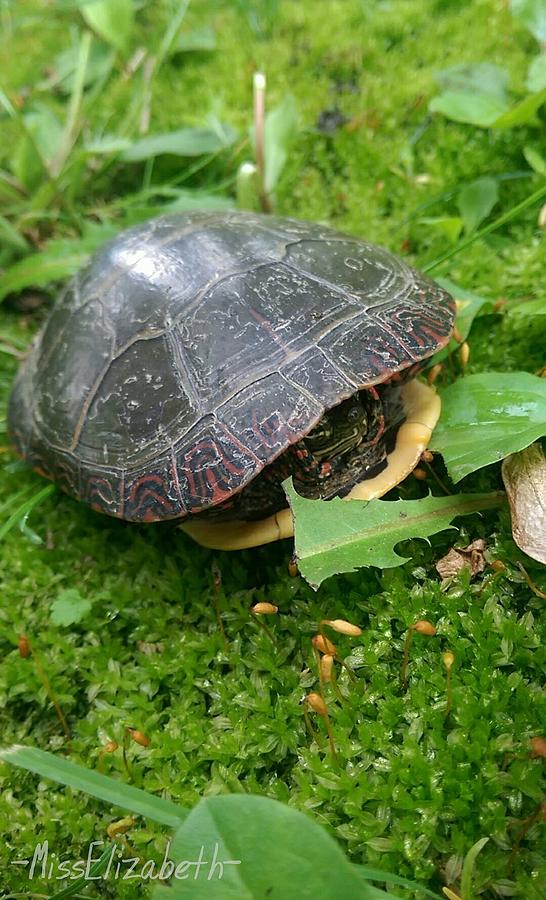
<point x="137" y="801"/>
<point x="468" y="868"/>
<point x="506" y="217"/>
<point x="23" y="510"/>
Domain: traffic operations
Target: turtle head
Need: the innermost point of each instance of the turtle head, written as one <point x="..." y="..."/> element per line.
<point x="343" y="448"/>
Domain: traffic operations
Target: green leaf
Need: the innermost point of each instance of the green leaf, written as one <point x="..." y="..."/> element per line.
<point x="529" y="308"/>
<point x="198" y="39"/>
<point x="476" y="200"/>
<point x="536" y="74"/>
<point x="472" y="109"/>
<point x="69" y="608"/>
<point x="523" y="113"/>
<point x="343" y="535"/>
<point x="57" y="261"/>
<point x="280" y="128"/>
<point x="468" y="868"/>
<point x="98" y="867"/>
<point x="474" y="94"/>
<point x="184" y="142"/>
<point x="487" y="416"/>
<point x="139" y="802"/>
<point x="532" y="15"/>
<point x="21" y="513"/>
<point x="370" y="874"/>
<point x="112" y="20"/>
<point x="483" y="78"/>
<point x="37" y="146"/>
<point x="275" y="850"/>
<point x="469" y="306"/>
<point x="449" y="226"/>
<point x="535" y="160"/>
<point x="101" y="60"/>
<point x="108" y="143"/>
<point x="40" y="269"/>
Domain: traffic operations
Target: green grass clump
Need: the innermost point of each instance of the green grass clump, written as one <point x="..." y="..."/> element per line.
<point x="413" y="788"/>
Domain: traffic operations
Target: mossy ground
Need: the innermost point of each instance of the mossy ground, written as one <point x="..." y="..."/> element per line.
<point x="412" y="790"/>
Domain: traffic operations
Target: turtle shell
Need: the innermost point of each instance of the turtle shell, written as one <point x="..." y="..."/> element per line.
<point x="194" y="349"/>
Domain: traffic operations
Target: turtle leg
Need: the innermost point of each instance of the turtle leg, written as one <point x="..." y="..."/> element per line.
<point x="422" y="410"/>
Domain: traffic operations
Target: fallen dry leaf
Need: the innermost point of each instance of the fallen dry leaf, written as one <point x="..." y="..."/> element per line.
<point x="458" y="558"/>
<point x="524" y="476"/>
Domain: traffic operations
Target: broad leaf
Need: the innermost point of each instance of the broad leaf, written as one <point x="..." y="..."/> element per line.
<point x="476" y="200"/>
<point x="69" y="608"/>
<point x="253" y="847"/>
<point x="116" y="793"/>
<point x="536" y="74"/>
<point x="475" y="94"/>
<point x="184" y="142"/>
<point x="472" y="109"/>
<point x="483" y="78"/>
<point x="343" y="535"/>
<point x="485" y="417"/>
<point x="112" y="20"/>
<point x="532" y="15"/>
<point x="524" y="476"/>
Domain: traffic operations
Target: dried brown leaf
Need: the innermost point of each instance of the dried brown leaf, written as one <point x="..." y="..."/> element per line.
<point x="459" y="558"/>
<point x="524" y="476"/>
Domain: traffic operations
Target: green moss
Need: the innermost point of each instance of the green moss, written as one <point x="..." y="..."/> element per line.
<point x="414" y="789"/>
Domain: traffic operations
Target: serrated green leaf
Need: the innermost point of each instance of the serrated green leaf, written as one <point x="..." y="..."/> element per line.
<point x="485" y="417"/>
<point x="69" y="608"/>
<point x="112" y="20"/>
<point x="299" y="860"/>
<point x="116" y="793"/>
<point x="184" y="142"/>
<point x="476" y="200"/>
<point x="342" y="535"/>
<point x="532" y="15"/>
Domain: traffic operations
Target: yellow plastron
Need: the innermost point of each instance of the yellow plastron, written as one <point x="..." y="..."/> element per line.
<point x="422" y="409"/>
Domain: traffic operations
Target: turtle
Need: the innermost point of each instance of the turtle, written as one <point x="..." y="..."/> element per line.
<point x="201" y="358"/>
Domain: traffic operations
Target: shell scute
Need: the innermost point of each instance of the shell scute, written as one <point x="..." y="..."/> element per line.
<point x="196" y="348"/>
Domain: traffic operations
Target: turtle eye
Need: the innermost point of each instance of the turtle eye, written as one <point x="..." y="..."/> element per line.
<point x="354" y="414"/>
